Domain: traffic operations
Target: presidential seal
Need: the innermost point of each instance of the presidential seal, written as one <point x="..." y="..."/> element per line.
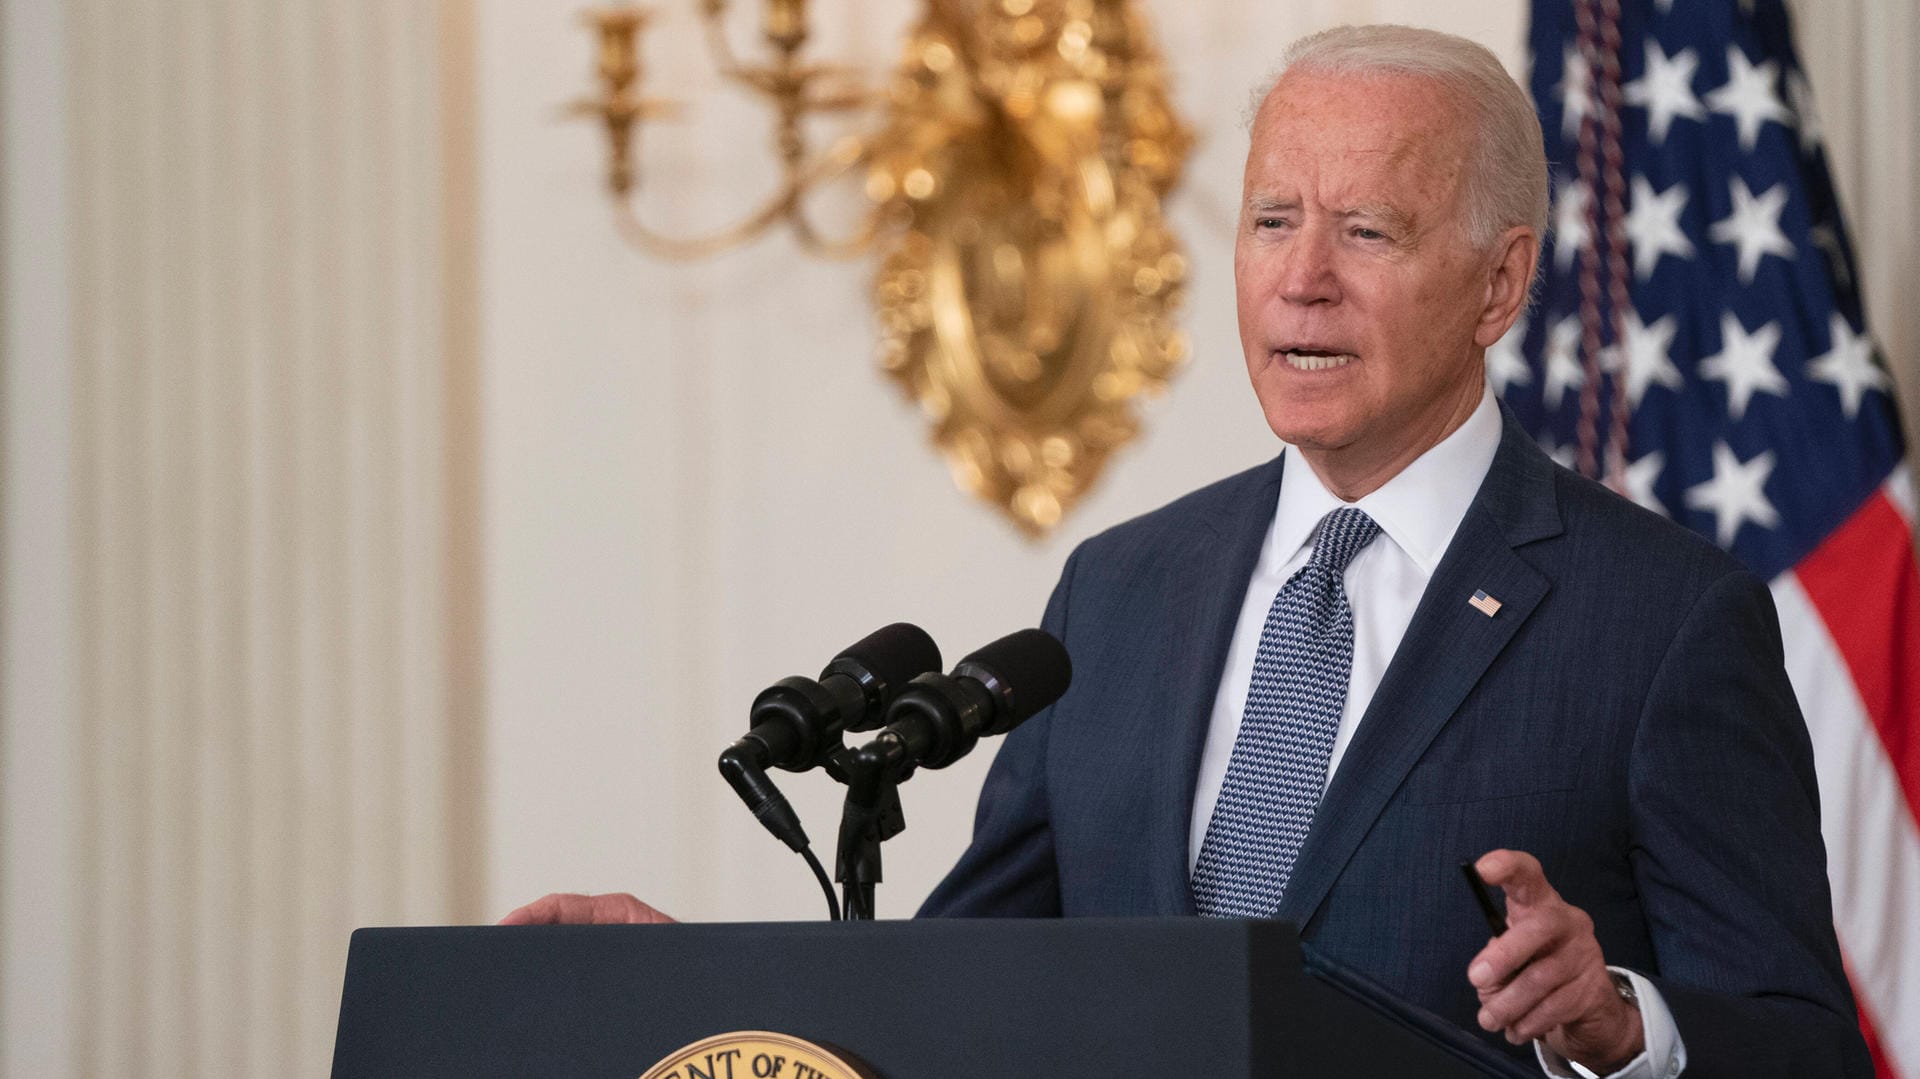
<point x="758" y="1054"/>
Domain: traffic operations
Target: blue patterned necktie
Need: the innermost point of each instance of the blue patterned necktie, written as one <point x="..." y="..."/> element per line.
<point x="1279" y="763"/>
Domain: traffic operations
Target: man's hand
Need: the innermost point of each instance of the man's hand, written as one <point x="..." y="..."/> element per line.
<point x="1545" y="978"/>
<point x="615" y="908"/>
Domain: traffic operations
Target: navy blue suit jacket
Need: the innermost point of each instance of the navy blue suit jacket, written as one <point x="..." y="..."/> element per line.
<point x="1625" y="717"/>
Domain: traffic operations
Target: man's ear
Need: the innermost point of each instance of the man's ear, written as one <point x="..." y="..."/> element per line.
<point x="1516" y="255"/>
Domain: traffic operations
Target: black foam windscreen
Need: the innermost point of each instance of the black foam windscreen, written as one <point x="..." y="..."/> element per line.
<point x="1029" y="669"/>
<point x="891" y="655"/>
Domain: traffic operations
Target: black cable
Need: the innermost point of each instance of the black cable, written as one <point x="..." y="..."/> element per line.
<point x="820" y="874"/>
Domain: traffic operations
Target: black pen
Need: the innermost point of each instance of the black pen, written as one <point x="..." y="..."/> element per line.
<point x="1496" y="921"/>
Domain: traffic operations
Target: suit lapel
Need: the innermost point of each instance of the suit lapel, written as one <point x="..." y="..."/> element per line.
<point x="1199" y="627"/>
<point x="1447" y="647"/>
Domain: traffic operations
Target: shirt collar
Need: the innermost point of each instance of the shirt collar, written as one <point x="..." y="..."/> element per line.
<point x="1419" y="509"/>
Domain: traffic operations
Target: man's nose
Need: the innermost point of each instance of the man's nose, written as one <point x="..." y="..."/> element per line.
<point x="1307" y="271"/>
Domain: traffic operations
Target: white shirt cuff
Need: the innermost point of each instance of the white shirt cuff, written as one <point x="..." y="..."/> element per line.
<point x="1663" y="1058"/>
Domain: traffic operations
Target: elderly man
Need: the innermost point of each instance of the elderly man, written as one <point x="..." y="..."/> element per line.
<point x="1310" y="690"/>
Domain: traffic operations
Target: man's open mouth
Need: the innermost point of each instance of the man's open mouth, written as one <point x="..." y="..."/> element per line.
<point x="1312" y="359"/>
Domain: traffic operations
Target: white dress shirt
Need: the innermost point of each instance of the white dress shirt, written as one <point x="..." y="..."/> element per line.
<point x="1418" y="512"/>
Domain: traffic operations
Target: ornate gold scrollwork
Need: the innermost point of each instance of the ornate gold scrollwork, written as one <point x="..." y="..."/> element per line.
<point x="1028" y="281"/>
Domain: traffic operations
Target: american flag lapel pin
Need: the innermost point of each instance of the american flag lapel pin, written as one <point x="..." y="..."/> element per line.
<point x="1484" y="603"/>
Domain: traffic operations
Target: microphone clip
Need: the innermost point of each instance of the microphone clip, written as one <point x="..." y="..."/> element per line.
<point x="871" y="814"/>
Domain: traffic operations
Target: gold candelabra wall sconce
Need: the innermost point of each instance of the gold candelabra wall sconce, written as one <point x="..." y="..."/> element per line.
<point x="1015" y="163"/>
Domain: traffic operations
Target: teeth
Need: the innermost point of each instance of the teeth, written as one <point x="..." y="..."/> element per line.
<point x="1302" y="361"/>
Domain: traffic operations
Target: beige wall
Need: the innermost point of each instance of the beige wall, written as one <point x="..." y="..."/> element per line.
<point x="318" y="453"/>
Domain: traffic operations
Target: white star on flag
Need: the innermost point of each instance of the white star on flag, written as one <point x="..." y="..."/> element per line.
<point x="1666" y="89"/>
<point x="1563" y="361"/>
<point x="1575" y="90"/>
<point x="1570" y="222"/>
<point x="1736" y="494"/>
<point x="1748" y="96"/>
<point x="1745" y="363"/>
<point x="1754" y="226"/>
<point x="1848" y="365"/>
<point x="1653" y="225"/>
<point x="1506" y="366"/>
<point x="1640" y="478"/>
<point x="1647" y="358"/>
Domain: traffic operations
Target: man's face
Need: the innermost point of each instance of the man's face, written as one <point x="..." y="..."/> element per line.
<point x="1362" y="304"/>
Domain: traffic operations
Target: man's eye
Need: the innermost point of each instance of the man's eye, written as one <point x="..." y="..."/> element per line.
<point x="1269" y="222"/>
<point x="1369" y="234"/>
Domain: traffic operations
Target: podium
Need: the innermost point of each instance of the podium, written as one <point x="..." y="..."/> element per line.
<point x="936" y="999"/>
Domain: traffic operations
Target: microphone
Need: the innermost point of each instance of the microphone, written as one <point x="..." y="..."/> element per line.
<point x="939" y="718"/>
<point x="796" y="723"/>
<point x="936" y="720"/>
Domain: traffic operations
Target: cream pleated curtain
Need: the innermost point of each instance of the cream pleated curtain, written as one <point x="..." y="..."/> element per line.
<point x="239" y="709"/>
<point x="324" y="377"/>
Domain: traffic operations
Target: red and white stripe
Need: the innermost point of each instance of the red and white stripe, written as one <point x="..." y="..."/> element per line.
<point x="1850" y="615"/>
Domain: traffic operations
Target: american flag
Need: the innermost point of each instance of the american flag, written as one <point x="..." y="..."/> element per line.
<point x="1700" y="341"/>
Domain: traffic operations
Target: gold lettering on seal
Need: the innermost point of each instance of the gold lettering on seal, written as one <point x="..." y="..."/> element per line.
<point x="759" y="1054"/>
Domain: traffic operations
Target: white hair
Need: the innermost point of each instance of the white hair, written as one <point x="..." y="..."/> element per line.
<point x="1506" y="180"/>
